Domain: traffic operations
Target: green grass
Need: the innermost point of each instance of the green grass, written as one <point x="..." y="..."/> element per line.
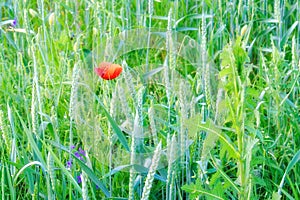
<point x="207" y="105"/>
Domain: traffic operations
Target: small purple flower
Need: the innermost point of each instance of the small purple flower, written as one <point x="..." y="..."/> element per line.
<point x="14" y="23"/>
<point x="81" y="151"/>
<point x="69" y="164"/>
<point x="97" y="187"/>
<point x="79" y="179"/>
<point x="78" y="155"/>
<point x="72" y="147"/>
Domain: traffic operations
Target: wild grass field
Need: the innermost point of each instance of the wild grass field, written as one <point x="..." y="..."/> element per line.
<point x="207" y="105"/>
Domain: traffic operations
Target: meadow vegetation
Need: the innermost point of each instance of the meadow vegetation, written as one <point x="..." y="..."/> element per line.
<point x="207" y="105"/>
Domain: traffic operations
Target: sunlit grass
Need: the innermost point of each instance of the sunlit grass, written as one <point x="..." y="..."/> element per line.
<point x="206" y="107"/>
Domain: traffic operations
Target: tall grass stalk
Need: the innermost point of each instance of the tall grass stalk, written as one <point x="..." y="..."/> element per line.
<point x="135" y="133"/>
<point x="153" y="130"/>
<point x="6" y="137"/>
<point x="150" y="13"/>
<point x="73" y="99"/>
<point x="171" y="155"/>
<point x="151" y="172"/>
<point x="51" y="176"/>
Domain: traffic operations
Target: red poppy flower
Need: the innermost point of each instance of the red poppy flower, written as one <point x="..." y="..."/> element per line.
<point x="108" y="71"/>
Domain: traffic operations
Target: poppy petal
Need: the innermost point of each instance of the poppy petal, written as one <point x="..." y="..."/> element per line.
<point x="108" y="71"/>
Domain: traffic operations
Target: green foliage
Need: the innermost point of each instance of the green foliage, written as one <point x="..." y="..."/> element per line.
<point x="217" y="82"/>
<point x="197" y="190"/>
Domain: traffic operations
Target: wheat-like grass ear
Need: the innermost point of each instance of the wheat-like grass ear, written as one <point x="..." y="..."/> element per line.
<point x="151" y="172"/>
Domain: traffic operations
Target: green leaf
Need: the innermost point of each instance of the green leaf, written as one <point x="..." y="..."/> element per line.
<point x="64" y="170"/>
<point x="224" y="72"/>
<point x="83" y="166"/>
<point x="92" y="176"/>
<point x="226" y="57"/>
<point x="288" y="33"/>
<point x="152" y="72"/>
<point x="196" y="190"/>
<point x="191" y="17"/>
<point x="25" y="167"/>
<point x="276" y="196"/>
<point x="33" y="144"/>
<point x="194" y="124"/>
<point x="208" y="144"/>
<point x="114" y="125"/>
<point x="224" y="175"/>
<point x="240" y="56"/>
<point x="291" y="164"/>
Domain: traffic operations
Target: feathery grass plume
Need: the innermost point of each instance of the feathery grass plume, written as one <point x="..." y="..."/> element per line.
<point x="277" y="16"/>
<point x="131" y="176"/>
<point x="84" y="186"/>
<point x="171" y="48"/>
<point x="167" y="83"/>
<point x="135" y="133"/>
<point x="276" y="57"/>
<point x="151" y="172"/>
<point x="50" y="166"/>
<point x="35" y="96"/>
<point x="150" y="12"/>
<point x="192" y="106"/>
<point x="5" y="134"/>
<point x="169" y="145"/>
<point x="183" y="117"/>
<point x="150" y="7"/>
<point x="171" y="155"/>
<point x="140" y="139"/>
<point x="167" y="60"/>
<point x="203" y="40"/>
<point x="277" y="13"/>
<point x="153" y="130"/>
<point x="169" y="32"/>
<point x="73" y="98"/>
<point x="34" y="117"/>
<point x="140" y="97"/>
<point x="205" y="64"/>
<point x="124" y="105"/>
<point x="182" y="93"/>
<point x="171" y="51"/>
